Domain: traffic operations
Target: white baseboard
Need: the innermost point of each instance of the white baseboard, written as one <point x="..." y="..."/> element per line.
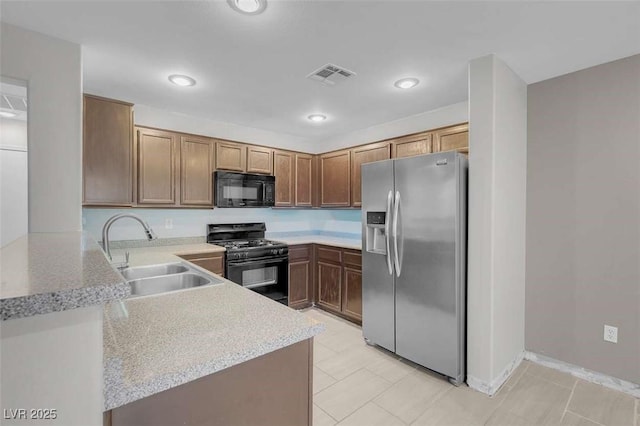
<point x="492" y="387"/>
<point x="630" y="388"/>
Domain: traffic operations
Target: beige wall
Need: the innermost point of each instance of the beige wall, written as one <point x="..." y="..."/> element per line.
<point x="497" y="209"/>
<point x="583" y="218"/>
<point x="52" y="69"/>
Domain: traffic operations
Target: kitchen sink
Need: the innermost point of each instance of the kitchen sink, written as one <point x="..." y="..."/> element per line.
<point x="153" y="271"/>
<point x="168" y="283"/>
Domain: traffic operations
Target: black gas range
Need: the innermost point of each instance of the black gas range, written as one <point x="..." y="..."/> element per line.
<point x="251" y="260"/>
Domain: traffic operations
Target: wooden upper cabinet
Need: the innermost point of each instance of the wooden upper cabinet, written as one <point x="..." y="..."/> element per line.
<point x="196" y="171"/>
<point x="107" y="152"/>
<point x="361" y="155"/>
<point x="259" y="160"/>
<point x="411" y="145"/>
<point x="157" y="163"/>
<point x="231" y="156"/>
<point x="452" y="138"/>
<point x="335" y="179"/>
<point x="283" y="170"/>
<point x="304" y="180"/>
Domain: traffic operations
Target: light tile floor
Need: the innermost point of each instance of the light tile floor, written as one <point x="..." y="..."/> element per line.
<point x="358" y="385"/>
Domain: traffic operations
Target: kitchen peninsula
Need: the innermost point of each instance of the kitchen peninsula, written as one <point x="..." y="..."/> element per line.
<point x="209" y="349"/>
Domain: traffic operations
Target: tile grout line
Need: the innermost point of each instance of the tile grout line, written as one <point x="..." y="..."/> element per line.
<point x="585" y="418"/>
<point x="566" y="407"/>
<point x="555" y="383"/>
<point x="387" y="411"/>
<point x="368" y="401"/>
<point x="320" y="408"/>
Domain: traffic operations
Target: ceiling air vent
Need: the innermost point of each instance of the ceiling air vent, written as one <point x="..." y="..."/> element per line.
<point x="331" y="74"/>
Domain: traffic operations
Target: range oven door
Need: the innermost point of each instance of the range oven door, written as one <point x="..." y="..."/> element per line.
<point x="267" y="276"/>
<point x="243" y="190"/>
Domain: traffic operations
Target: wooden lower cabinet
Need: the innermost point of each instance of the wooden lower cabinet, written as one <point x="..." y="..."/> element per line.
<point x="300" y="276"/>
<point x="352" y="284"/>
<point x="338" y="281"/>
<point x="329" y="286"/>
<point x="272" y="390"/>
<point x="212" y="262"/>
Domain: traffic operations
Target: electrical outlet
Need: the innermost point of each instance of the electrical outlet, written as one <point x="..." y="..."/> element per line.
<point x="610" y="334"/>
<point x="168" y="224"/>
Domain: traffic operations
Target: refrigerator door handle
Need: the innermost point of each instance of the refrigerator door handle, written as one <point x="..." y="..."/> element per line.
<point x="396" y="210"/>
<point x="386" y="231"/>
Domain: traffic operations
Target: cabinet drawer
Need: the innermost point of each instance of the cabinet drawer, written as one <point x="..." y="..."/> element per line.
<point x="329" y="254"/>
<point x="353" y="258"/>
<point x="299" y="252"/>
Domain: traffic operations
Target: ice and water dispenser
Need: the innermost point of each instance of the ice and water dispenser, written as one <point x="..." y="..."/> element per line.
<point x="376" y="239"/>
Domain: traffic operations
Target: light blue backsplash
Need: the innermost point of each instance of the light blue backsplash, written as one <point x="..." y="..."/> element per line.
<point x="192" y="223"/>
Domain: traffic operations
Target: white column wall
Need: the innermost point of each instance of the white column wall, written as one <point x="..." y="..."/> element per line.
<point x="497" y="212"/>
<point x="52" y="69"/>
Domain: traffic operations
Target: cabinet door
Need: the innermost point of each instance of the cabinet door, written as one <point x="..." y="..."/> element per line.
<point x="409" y="146"/>
<point x="304" y="180"/>
<point x="299" y="284"/>
<point x="329" y="278"/>
<point x="259" y="160"/>
<point x="213" y="262"/>
<point x="335" y="182"/>
<point x="359" y="156"/>
<point x="196" y="168"/>
<point x="283" y="172"/>
<point x="456" y="137"/>
<point x="352" y="297"/>
<point x="107" y="153"/>
<point x="157" y="161"/>
<point x="231" y="156"/>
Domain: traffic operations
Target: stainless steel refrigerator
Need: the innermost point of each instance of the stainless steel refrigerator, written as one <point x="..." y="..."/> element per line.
<point x="414" y="259"/>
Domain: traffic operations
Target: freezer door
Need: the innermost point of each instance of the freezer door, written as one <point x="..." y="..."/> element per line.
<point x="427" y="294"/>
<point x="378" y="300"/>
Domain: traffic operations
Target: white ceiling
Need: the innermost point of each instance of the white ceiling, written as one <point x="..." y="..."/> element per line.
<point x="251" y="69"/>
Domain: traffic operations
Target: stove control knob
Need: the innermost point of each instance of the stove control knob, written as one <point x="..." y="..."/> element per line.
<point x="281" y="251"/>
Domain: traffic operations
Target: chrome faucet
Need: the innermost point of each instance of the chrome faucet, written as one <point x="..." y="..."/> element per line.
<point x="107" y="225"/>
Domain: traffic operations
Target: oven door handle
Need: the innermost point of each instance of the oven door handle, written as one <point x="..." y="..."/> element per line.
<point x="266" y="261"/>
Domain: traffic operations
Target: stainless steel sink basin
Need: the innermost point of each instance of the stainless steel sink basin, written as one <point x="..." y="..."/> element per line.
<point x="167" y="283"/>
<point x="153" y="271"/>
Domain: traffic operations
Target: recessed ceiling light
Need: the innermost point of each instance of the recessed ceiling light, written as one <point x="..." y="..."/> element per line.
<point x="406" y="83"/>
<point x="317" y="118"/>
<point x="248" y="7"/>
<point x="182" y="80"/>
<point x="7" y="114"/>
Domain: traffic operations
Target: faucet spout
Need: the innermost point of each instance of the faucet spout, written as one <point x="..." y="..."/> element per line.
<point x="107" y="226"/>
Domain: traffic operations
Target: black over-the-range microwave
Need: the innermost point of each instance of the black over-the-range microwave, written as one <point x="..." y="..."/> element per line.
<point x="231" y="189"/>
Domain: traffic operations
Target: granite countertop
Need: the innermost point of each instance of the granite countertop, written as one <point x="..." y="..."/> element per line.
<point x="50" y="272"/>
<point x="151" y="255"/>
<point x="155" y="343"/>
<point x="348" y="243"/>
